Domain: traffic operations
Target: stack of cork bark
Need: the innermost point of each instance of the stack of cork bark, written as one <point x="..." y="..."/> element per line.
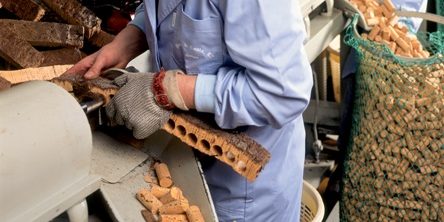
<point x="164" y="201"/>
<point x="387" y="30"/>
<point x="36" y="33"/>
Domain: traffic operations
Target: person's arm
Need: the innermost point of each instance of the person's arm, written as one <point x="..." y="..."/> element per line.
<point x="272" y="83"/>
<point x="128" y="44"/>
<point x="139" y="18"/>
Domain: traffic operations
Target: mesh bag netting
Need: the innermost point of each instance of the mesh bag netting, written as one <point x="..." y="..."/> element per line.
<point x="394" y="167"/>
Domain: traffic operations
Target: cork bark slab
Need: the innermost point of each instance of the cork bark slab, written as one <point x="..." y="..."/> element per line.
<point x="95" y="88"/>
<point x="24" y="9"/>
<point x="62" y="56"/>
<point x="101" y="38"/>
<point x="17" y="51"/>
<point x="48" y="34"/>
<point x="240" y="152"/>
<point x="41" y="73"/>
<point x="75" y="13"/>
<point x="4" y="83"/>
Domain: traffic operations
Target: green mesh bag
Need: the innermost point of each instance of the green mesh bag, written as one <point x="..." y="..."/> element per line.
<point x="394" y="167"/>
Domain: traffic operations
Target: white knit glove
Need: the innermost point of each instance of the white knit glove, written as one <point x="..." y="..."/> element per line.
<point x="134" y="105"/>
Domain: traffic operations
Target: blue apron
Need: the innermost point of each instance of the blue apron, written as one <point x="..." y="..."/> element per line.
<point x="251" y="71"/>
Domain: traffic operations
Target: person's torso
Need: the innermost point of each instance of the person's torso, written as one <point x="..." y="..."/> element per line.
<point x="191" y="37"/>
<point x="187" y="36"/>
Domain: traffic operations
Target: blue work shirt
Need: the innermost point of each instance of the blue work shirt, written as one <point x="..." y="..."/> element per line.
<point x="351" y="64"/>
<point x="252" y="71"/>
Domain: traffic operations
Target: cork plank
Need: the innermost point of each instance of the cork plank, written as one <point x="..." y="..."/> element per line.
<point x="4" y="84"/>
<point x="62" y="56"/>
<point x="96" y="88"/>
<point x="17" y="51"/>
<point x="48" y="34"/>
<point x="101" y="38"/>
<point x="40" y="73"/>
<point x="24" y="9"/>
<point x="75" y="13"/>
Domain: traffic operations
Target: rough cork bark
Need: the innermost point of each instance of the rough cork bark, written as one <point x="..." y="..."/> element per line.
<point x="18" y="52"/>
<point x="62" y="56"/>
<point x="95" y="88"/>
<point x="48" y="34"/>
<point x="24" y="9"/>
<point x="75" y="13"/>
<point x="101" y="38"/>
<point x="4" y="84"/>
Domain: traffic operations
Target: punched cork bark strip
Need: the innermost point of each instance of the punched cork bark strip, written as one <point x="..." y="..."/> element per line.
<point x="237" y="150"/>
<point x="240" y="152"/>
<point x="75" y="13"/>
<point x="48" y="34"/>
<point x="24" y="9"/>
<point x="17" y="51"/>
<point x="40" y="73"/>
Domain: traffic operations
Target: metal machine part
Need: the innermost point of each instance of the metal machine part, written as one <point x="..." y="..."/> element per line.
<point x="45" y="154"/>
<point x="91" y="105"/>
<point x="308" y="8"/>
<point x="323" y="23"/>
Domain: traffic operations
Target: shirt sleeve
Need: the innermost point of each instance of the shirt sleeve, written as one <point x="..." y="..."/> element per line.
<point x="411" y="5"/>
<point x="139" y="18"/>
<point x="272" y="79"/>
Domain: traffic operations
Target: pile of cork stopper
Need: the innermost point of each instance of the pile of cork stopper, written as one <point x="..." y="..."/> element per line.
<point x="164" y="201"/>
<point x="387" y="29"/>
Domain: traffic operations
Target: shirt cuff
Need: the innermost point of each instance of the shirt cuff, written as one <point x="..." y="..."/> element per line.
<point x="204" y="96"/>
<point x="139" y="22"/>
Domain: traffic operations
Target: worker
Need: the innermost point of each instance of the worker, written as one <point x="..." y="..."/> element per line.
<point x="244" y="62"/>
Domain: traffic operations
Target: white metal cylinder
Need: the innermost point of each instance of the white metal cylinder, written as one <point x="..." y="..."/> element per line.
<point x="45" y="145"/>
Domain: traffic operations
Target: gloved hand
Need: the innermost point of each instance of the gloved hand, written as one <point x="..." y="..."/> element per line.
<point x="134" y="105"/>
